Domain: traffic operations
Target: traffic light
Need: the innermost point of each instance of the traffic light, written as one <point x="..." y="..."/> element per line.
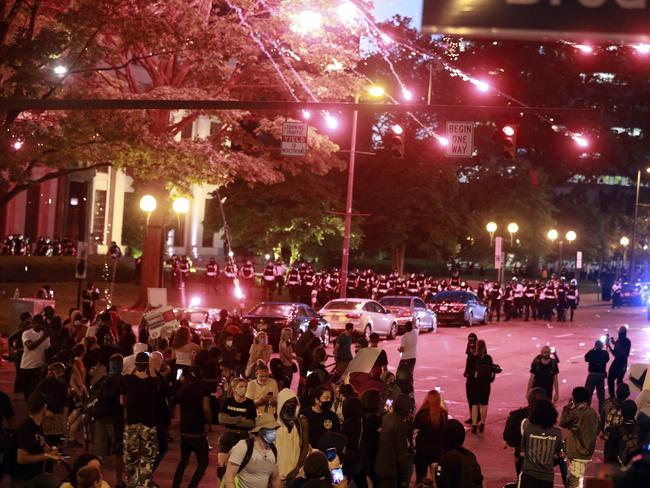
<point x="394" y="141"/>
<point x="509" y="139"/>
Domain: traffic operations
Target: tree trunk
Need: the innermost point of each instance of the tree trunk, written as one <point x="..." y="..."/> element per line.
<point x="397" y="260"/>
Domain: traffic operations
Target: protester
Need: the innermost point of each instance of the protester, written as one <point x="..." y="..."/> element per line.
<point x="541" y="443"/>
<point x="259" y="469"/>
<point x="369" y="442"/>
<point x="429" y="423"/>
<point x="108" y="418"/>
<point x="544" y="374"/>
<point x="184" y="349"/>
<point x="624" y="440"/>
<point x="381" y="363"/>
<point x="395" y="453"/>
<point x="140" y="398"/>
<point x="237" y="415"/>
<point x="292" y="439"/>
<point x="316" y="473"/>
<point x="260" y="351"/>
<point x="620" y="349"/>
<point x="479" y="370"/>
<point x="32" y="450"/>
<point x="408" y="349"/>
<point x="35" y="342"/>
<point x="352" y="427"/>
<point x="611" y="415"/>
<point x="320" y="417"/>
<point x="55" y="390"/>
<point x="582" y="422"/>
<point x="88" y="477"/>
<point x="458" y="466"/>
<point x="286" y="348"/>
<point x="343" y="349"/>
<point x="263" y="390"/>
<point x="193" y="397"/>
<point x="469" y="352"/>
<point x="512" y="431"/>
<point x="597" y="359"/>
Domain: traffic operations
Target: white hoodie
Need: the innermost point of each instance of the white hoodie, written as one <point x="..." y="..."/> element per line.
<point x="287" y="442"/>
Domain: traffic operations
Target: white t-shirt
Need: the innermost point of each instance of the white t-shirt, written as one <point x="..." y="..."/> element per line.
<point x="36" y="357"/>
<point x="257" y="473"/>
<point x="410" y="344"/>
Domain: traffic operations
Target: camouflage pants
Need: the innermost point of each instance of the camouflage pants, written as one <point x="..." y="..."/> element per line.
<point x="140" y="450"/>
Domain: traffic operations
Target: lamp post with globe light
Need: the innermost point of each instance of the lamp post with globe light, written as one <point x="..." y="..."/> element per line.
<point x="513" y="228"/>
<point x="625" y="242"/>
<point x="491" y="227"/>
<point x="634" y="225"/>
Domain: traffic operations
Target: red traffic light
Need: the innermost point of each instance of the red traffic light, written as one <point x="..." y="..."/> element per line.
<point x="508" y="130"/>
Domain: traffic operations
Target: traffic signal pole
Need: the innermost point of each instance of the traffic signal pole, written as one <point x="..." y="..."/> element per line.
<point x="345" y="258"/>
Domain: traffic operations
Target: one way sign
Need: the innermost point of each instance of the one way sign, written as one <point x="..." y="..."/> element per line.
<point x="460" y="137"/>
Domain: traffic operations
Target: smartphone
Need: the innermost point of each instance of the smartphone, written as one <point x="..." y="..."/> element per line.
<point x="331" y="454"/>
<point x="389" y="403"/>
<point x="337" y="475"/>
<point x="179" y="373"/>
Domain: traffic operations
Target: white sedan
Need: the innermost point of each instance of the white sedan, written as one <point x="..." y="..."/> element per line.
<point x="367" y="316"/>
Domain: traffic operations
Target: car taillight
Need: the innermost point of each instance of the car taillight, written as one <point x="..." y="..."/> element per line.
<point x="353" y="315"/>
<point x="405" y="313"/>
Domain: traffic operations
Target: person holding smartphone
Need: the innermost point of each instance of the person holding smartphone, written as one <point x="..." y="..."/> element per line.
<point x="319" y="471"/>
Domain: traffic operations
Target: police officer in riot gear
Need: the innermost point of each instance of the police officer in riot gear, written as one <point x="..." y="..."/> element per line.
<point x="268" y="277"/>
<point x="211" y="278"/>
<point x="293" y="284"/>
<point x="495" y="296"/>
<point x="247" y="278"/>
<point x="573" y="298"/>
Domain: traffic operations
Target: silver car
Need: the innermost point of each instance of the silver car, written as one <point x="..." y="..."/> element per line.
<point x="410" y="309"/>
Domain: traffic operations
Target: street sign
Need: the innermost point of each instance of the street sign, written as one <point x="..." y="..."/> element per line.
<point x="579" y="260"/>
<point x="580" y="20"/>
<point x="294" y="139"/>
<point x="460" y="137"/>
<point x="81" y="267"/>
<point x="498" y="255"/>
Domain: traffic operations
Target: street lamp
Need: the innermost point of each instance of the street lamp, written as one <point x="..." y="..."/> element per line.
<point x="512" y="229"/>
<point x="552" y="235"/>
<point x="491" y="227"/>
<point x="148" y="204"/>
<point x="624" y="242"/>
<point x="571" y="236"/>
<point x="181" y="205"/>
<point x="345" y="258"/>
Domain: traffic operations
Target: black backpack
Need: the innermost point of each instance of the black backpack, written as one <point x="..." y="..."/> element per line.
<point x="92" y="401"/>
<point x="512" y="429"/>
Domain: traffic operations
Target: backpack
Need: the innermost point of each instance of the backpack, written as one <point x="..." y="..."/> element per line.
<point x="629" y="443"/>
<point x="614" y="417"/>
<point x="470" y="470"/>
<point x="250" y="446"/>
<point x="483" y="372"/>
<point x="512" y="429"/>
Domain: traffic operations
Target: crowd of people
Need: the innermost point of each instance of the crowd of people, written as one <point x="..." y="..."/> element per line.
<point x="113" y="390"/>
<point x="19" y="245"/>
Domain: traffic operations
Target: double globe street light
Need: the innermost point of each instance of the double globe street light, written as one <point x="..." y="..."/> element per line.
<point x="492" y="227"/>
<point x="553" y="235"/>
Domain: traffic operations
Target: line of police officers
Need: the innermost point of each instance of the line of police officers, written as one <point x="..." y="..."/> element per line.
<point x="525" y="299"/>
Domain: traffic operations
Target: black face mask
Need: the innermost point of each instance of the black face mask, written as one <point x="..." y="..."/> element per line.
<point x="326" y="406"/>
<point x="288" y="414"/>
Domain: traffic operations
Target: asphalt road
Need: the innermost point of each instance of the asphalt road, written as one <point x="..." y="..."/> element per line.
<point x="441" y="361"/>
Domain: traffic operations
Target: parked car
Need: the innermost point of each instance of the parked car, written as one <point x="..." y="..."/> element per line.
<point x="456" y="306"/>
<point x="367" y="316"/>
<point x="200" y="318"/>
<point x="634" y="294"/>
<point x="272" y="317"/>
<point x="410" y="309"/>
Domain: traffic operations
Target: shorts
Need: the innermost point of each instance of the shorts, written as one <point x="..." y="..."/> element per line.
<point x="108" y="436"/>
<point x="478" y="393"/>
<point x="229" y="438"/>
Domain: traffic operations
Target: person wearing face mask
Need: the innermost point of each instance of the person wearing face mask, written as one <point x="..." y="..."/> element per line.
<point x="320" y="417"/>
<point x="255" y="460"/>
<point x="237" y="415"/>
<point x="229" y="353"/>
<point x="292" y="439"/>
<point x="263" y="390"/>
<point x="259" y="350"/>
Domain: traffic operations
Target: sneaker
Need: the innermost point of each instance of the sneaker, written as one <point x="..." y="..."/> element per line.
<point x="474" y="429"/>
<point x="481" y="428"/>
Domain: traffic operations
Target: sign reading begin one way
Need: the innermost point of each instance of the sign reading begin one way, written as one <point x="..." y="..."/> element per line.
<point x="460" y="137"/>
<point x="294" y="139"/>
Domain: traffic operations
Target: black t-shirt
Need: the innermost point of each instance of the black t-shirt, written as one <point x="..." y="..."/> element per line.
<point x="320" y="424"/>
<point x="142" y="399"/>
<point x="56" y="394"/>
<point x="109" y="397"/>
<point x="190" y="399"/>
<point x="544" y="374"/>
<point x="29" y="437"/>
<point x="597" y="359"/>
<point x="232" y="407"/>
<point x="6" y="409"/>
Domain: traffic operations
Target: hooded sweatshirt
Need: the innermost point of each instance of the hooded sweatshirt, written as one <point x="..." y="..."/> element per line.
<point x="291" y="443"/>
